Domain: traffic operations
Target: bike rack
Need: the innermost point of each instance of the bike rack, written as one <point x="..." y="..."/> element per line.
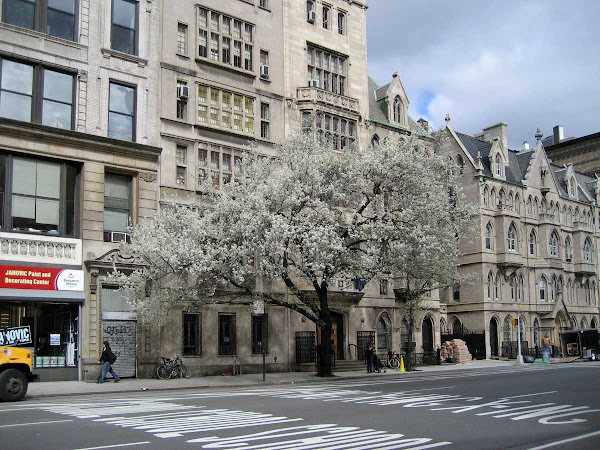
<point x="237" y="365"/>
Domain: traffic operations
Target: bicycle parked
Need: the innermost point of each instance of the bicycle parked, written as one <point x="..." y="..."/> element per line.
<point x="172" y="368"/>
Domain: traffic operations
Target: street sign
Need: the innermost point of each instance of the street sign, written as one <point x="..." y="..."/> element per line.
<point x="258" y="307"/>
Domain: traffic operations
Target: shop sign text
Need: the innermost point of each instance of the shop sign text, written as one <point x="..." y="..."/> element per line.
<point x="42" y="278"/>
<point x="15" y="336"/>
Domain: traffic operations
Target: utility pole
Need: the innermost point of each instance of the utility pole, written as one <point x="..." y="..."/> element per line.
<point x="263" y="340"/>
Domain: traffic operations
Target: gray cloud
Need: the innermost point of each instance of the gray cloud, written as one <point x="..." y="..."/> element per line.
<point x="533" y="63"/>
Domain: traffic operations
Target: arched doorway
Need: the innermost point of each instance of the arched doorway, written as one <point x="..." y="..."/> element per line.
<point x="384" y="333"/>
<point x="427" y="334"/>
<point x="456" y="325"/>
<point x="494" y="353"/>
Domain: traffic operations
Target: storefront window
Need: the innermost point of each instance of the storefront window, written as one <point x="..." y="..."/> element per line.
<point x="53" y="330"/>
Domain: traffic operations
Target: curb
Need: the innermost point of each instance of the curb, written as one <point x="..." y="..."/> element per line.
<point x="315" y="380"/>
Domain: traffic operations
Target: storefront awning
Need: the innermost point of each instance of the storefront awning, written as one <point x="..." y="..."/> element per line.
<point x="33" y="295"/>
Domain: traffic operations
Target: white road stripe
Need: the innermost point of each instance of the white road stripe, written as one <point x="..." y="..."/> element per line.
<point x="129" y="444"/>
<point x="34" y="423"/>
<point x="564" y="441"/>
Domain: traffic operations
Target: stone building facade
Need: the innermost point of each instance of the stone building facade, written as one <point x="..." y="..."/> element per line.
<point x="301" y="65"/>
<point x="79" y="163"/>
<point x="534" y="250"/>
<point x="582" y="152"/>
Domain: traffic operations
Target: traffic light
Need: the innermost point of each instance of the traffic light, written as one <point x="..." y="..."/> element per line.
<point x="515" y="321"/>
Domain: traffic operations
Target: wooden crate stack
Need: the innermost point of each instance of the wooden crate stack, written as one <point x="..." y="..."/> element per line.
<point x="458" y="349"/>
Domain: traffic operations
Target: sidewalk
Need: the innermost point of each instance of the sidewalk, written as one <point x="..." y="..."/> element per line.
<point x="60" y="388"/>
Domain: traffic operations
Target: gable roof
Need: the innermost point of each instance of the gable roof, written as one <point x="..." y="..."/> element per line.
<point x="378" y="110"/>
<point x="518" y="164"/>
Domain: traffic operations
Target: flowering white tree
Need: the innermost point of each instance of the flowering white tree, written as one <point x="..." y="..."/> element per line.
<point x="306" y="218"/>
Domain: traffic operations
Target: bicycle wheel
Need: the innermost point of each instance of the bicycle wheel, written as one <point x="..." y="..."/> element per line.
<point x="163" y="372"/>
<point x="394" y="363"/>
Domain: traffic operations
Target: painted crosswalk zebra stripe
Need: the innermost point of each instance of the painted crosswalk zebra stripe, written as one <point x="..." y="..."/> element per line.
<point x="321" y="437"/>
<point x="178" y="423"/>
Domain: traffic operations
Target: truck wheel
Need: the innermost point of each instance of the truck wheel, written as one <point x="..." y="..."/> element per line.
<point x="13" y="385"/>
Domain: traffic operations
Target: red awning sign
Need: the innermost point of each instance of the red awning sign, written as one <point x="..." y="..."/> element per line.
<point x="41" y="278"/>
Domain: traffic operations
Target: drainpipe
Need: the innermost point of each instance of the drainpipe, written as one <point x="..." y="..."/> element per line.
<point x="595" y="224"/>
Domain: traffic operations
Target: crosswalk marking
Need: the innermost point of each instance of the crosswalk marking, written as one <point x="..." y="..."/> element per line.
<point x="176" y="424"/>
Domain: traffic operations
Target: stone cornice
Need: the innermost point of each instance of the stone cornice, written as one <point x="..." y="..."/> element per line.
<point x="59" y="136"/>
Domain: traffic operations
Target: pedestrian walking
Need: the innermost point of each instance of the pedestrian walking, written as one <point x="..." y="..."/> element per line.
<point x="369" y="357"/>
<point x="107" y="358"/>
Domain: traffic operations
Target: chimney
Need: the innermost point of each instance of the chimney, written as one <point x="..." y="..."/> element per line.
<point x="558" y="134"/>
<point x="498" y="131"/>
<point x="525" y="145"/>
<point x="424" y="124"/>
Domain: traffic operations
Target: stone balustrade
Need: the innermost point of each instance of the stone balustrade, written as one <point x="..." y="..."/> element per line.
<point x="315" y="95"/>
<point x="19" y="248"/>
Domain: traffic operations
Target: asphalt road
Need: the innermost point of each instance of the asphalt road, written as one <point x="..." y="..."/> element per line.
<point x="537" y="407"/>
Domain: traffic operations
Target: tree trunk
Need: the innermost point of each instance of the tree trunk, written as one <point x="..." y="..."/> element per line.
<point x="324" y="369"/>
<point x="411" y="326"/>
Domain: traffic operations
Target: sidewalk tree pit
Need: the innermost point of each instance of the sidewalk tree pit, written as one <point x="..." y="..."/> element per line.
<point x="302" y="222"/>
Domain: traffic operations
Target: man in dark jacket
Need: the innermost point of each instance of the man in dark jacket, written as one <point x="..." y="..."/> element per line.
<point x="107" y="358"/>
<point x="369" y="357"/>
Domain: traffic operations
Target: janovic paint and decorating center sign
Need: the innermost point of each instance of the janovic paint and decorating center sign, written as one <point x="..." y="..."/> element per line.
<point x="15" y="336"/>
<point x="43" y="278"/>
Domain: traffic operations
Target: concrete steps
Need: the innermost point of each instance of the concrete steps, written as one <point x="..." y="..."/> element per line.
<point x="347" y="366"/>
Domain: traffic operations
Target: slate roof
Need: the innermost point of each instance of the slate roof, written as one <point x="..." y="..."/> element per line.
<point x="518" y="162"/>
<point x="378" y="110"/>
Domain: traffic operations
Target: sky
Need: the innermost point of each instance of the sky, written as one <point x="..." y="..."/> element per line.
<point x="529" y="63"/>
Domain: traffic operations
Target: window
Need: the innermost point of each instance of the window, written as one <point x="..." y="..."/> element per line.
<point x="553" y="289"/>
<point x="223" y="161"/>
<point x="38" y="195"/>
<point x="326" y="70"/>
<point x="121" y="112"/>
<point x="532" y="243"/>
<point x="498" y="287"/>
<point x="181" y="159"/>
<point x="260" y="333"/>
<point x="542" y="285"/>
<point x="339" y="131"/>
<point x="498" y="166"/>
<point x="572" y="187"/>
<point x="485" y="196"/>
<point x="554" y="244"/>
<point x="521" y="289"/>
<point x="587" y="251"/>
<point x="222" y="110"/>
<point x="507" y="329"/>
<point x="588" y="292"/>
<point x="124" y="32"/>
<point x="182" y="30"/>
<point x="264" y="4"/>
<point x="33" y="93"/>
<point x="326" y="17"/>
<point x="456" y="293"/>
<point x="374" y="141"/>
<point x="488" y="236"/>
<point x="490" y="286"/>
<point x="341" y="23"/>
<point x="55" y="17"/>
<point x="513" y="288"/>
<point x="512" y="238"/>
<point x="264" y="120"/>
<point x="192" y="334"/>
<point x="310" y="11"/>
<point x="223" y="38"/>
<point x="181" y="100"/>
<point x="398" y="111"/>
<point x="460" y="162"/>
<point x="384" y="326"/>
<point x="117" y="204"/>
<point x="227" y="332"/>
<point x="383" y="286"/>
<point x="264" y="64"/>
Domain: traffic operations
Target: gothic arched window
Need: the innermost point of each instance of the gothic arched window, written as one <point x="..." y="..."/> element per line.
<point x="398" y="116"/>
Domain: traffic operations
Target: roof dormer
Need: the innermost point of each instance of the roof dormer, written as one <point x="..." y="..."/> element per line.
<point x="571" y="181"/>
<point x="397" y="102"/>
<point x="498" y="161"/>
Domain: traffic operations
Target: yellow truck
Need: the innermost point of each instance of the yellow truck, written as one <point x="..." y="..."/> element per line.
<point x="16" y="371"/>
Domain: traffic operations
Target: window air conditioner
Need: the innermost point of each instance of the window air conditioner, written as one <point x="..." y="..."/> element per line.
<point x="116" y="236"/>
<point x="569" y="257"/>
<point x="183" y="91"/>
<point x="264" y="71"/>
<point x="312" y="16"/>
<point x="314" y="83"/>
